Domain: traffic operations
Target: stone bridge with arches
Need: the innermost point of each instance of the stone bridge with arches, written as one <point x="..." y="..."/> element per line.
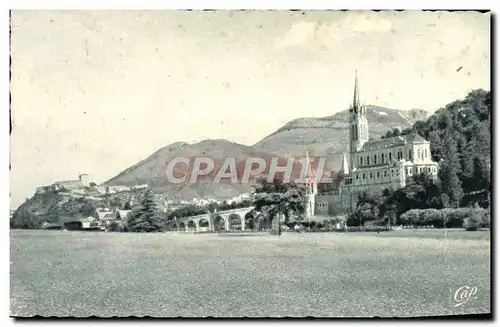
<point x="234" y="219"/>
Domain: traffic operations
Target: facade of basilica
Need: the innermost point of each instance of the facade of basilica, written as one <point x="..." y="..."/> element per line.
<point x="372" y="165"/>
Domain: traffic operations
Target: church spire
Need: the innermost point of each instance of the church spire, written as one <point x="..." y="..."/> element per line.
<point x="345" y="166"/>
<point x="356" y="104"/>
<point x="311" y="183"/>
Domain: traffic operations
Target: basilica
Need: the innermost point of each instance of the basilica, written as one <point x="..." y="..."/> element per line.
<point x="372" y="165"/>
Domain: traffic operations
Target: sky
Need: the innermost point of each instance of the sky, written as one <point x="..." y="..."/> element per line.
<point x="97" y="91"/>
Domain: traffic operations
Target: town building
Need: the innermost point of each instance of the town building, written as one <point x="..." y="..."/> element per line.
<point x="74" y="186"/>
<point x="81" y="182"/>
<point x="372" y="165"/>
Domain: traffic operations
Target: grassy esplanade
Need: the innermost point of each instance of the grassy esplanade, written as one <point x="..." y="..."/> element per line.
<point x="401" y="273"/>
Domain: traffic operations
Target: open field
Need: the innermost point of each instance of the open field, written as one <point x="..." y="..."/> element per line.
<point x="403" y="273"/>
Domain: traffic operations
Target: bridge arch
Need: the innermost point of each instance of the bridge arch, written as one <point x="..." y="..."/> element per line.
<point x="235" y="221"/>
<point x="219" y="223"/>
<point x="191" y="226"/>
<point x="250" y="222"/>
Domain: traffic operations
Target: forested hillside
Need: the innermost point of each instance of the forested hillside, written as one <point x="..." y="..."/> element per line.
<point x="460" y="136"/>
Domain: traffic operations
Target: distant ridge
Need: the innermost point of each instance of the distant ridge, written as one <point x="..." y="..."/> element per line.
<point x="323" y="136"/>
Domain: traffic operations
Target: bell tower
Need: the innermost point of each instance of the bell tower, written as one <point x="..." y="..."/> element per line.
<point x="358" y="125"/>
<point x="311" y="188"/>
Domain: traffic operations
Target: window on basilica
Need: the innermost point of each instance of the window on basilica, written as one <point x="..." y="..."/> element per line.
<point x="367" y="160"/>
<point x="382" y="158"/>
<point x="390" y="157"/>
<point x="409" y="155"/>
<point x="375" y="159"/>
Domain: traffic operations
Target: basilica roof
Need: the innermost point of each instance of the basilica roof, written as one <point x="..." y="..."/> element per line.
<point x="383" y="143"/>
<point x="414" y="138"/>
<point x="392" y="142"/>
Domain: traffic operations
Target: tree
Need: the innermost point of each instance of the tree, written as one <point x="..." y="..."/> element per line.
<point x="224" y="206"/>
<point x="87" y="209"/>
<point x="212" y="207"/>
<point x="145" y="218"/>
<point x="24" y="219"/>
<point x="367" y="209"/>
<point x="445" y="200"/>
<point x="127" y="206"/>
<point x="449" y="171"/>
<point x="436" y="149"/>
<point x="392" y="133"/>
<point x="273" y="199"/>
<point x="187" y="211"/>
<point x="54" y="211"/>
<point x="115" y="202"/>
<point x="481" y="177"/>
<point x="423" y="192"/>
<point x="115" y="227"/>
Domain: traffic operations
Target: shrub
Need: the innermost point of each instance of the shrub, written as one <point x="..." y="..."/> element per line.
<point x="487" y="218"/>
<point x="449" y="217"/>
<point x="434" y="217"/>
<point x="410" y="217"/>
<point x="479" y="217"/>
<point x="470" y="224"/>
<point x="454" y="217"/>
<point x="115" y="227"/>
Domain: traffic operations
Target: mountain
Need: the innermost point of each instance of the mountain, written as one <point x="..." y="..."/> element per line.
<point x="320" y="136"/>
<point x="153" y="170"/>
<point x="328" y="136"/>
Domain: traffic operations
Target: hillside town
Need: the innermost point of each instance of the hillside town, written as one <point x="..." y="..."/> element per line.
<point x="114" y="203"/>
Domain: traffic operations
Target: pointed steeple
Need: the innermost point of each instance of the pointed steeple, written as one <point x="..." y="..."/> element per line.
<point x="309" y="170"/>
<point x="356" y="104"/>
<point x="345" y="166"/>
<point x="312" y="186"/>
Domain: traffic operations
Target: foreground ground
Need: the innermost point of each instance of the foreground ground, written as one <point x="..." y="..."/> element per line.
<point x="404" y="273"/>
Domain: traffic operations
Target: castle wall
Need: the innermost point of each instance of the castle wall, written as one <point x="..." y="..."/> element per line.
<point x="84" y="179"/>
<point x="335" y="204"/>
